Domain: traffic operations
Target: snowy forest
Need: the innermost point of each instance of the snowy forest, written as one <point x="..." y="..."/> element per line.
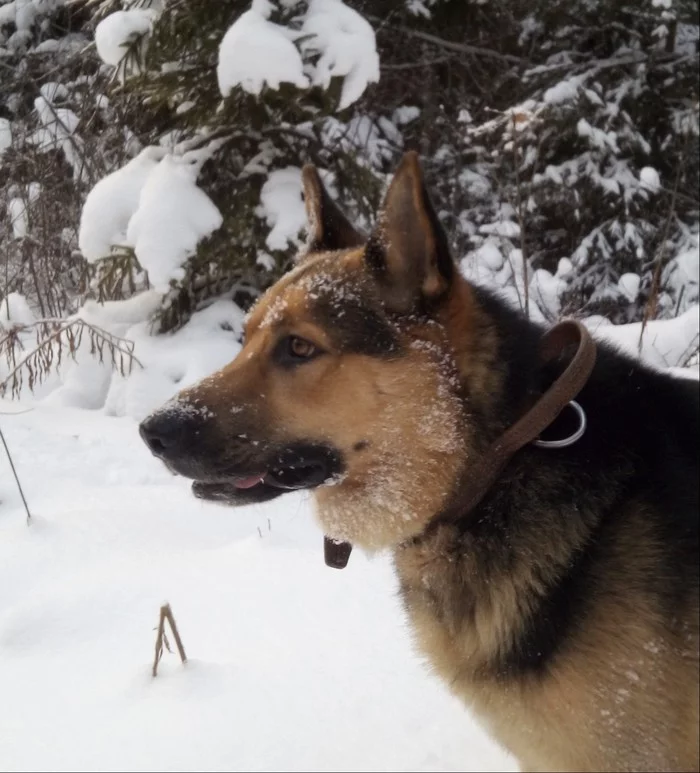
<point x="150" y="156"/>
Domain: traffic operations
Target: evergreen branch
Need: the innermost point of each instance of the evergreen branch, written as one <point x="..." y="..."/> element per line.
<point x="606" y="64"/>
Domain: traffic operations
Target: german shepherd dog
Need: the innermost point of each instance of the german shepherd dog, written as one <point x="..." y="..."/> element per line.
<point x="563" y="608"/>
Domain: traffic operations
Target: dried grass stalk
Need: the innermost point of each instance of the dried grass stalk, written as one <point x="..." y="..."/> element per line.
<point x="162" y="639"/>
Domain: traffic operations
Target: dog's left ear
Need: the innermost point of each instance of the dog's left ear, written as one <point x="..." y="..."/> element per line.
<point x="327" y="226"/>
<point x="408" y="252"/>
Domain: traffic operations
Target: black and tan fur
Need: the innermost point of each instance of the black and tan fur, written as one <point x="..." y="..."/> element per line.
<point x="564" y="609"/>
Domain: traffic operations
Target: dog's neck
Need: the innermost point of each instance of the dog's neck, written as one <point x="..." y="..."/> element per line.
<point x="491" y="556"/>
<point x="496" y="354"/>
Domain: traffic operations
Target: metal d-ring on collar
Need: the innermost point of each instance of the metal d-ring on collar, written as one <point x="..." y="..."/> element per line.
<point x="567" y="441"/>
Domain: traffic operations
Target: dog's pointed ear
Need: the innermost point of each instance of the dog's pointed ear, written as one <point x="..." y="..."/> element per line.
<point x="327" y="227"/>
<point x="408" y="252"/>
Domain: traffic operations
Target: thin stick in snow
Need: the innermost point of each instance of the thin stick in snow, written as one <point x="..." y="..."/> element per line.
<point x="14" y="472"/>
<point x="162" y="639"/>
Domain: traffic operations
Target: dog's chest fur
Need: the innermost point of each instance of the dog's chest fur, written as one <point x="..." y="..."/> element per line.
<point x="585" y="706"/>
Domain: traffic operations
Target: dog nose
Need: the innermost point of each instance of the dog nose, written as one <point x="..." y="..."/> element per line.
<point x="167" y="433"/>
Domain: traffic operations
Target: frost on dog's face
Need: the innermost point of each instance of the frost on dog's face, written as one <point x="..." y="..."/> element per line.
<point x="345" y="383"/>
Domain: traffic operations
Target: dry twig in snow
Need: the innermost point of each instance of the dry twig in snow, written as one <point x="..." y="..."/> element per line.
<point x="162" y="639"/>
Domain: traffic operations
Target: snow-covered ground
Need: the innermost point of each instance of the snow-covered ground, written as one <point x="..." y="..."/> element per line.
<point x="293" y="666"/>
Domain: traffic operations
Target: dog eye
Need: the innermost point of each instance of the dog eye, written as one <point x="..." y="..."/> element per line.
<point x="300" y="348"/>
<point x="294" y="350"/>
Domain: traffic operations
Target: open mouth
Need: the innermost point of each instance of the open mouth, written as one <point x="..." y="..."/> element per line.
<point x="292" y="469"/>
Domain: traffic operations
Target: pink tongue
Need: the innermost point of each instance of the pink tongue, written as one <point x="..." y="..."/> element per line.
<point x="248" y="482"/>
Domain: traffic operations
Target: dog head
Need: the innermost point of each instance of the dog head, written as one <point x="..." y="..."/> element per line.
<point x="348" y="382"/>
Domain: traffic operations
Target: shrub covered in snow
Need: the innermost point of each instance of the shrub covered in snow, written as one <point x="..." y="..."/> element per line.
<point x="59" y="135"/>
<point x="255" y="87"/>
<point x="569" y="133"/>
<point x="597" y="159"/>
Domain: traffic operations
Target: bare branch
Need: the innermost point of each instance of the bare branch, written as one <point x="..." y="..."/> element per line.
<point x="450" y="45"/>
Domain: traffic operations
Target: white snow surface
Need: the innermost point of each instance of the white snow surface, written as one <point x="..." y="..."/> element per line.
<point x="120" y="29"/>
<point x="170" y="363"/>
<point x="283" y="207"/>
<point x="291" y="666"/>
<point x="404" y="114"/>
<point x="24" y="12"/>
<point x="546" y="289"/>
<point x="111" y="203"/>
<point x="666" y="343"/>
<point x="153" y="205"/>
<point x="165" y="365"/>
<point x="172" y="217"/>
<point x="5" y="135"/>
<point x="564" y="91"/>
<point x="650" y="179"/>
<point x="684" y="270"/>
<point x="506" y="228"/>
<point x="14" y="310"/>
<point x="58" y="127"/>
<point x="347" y="45"/>
<point x="489" y="255"/>
<point x="629" y="284"/>
<point x="255" y="52"/>
<point x="19" y="219"/>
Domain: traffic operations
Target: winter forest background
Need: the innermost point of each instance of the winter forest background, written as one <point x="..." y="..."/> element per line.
<point x="150" y="156"/>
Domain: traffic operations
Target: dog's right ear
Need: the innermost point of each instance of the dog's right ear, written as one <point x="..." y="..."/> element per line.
<point x="327" y="227"/>
<point x="408" y="251"/>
